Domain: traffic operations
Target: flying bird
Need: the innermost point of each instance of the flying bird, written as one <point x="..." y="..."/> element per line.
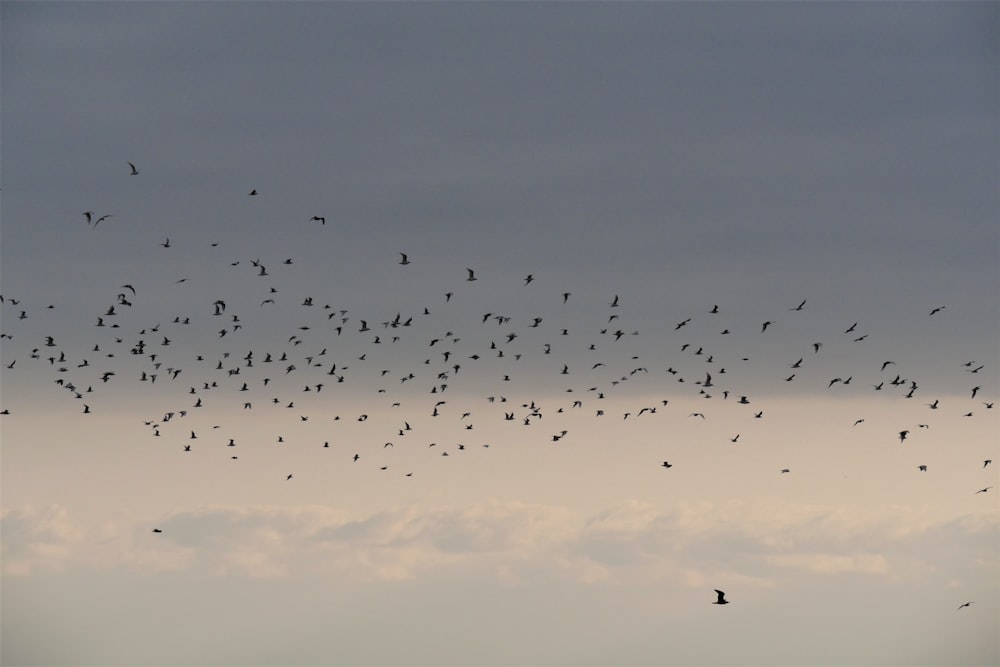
<point x="722" y="597"/>
<point x="134" y="172"/>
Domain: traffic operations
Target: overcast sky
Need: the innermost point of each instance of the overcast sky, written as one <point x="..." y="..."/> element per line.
<point x="830" y="169"/>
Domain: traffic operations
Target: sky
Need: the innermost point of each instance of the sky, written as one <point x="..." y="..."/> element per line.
<point x="735" y="283"/>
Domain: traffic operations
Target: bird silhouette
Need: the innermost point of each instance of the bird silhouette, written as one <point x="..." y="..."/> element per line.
<point x="721" y="597"/>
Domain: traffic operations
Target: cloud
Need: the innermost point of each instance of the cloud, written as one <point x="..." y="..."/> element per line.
<point x="514" y="543"/>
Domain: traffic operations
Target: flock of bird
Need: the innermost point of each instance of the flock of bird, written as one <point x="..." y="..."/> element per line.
<point x="456" y="371"/>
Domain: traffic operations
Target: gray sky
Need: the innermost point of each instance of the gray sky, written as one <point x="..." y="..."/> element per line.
<point x="677" y="156"/>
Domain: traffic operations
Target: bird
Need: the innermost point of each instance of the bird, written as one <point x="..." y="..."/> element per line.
<point x="134" y="172"/>
<point x="937" y="310"/>
<point x="316" y="218"/>
<point x="666" y="464"/>
<point x="157" y="530"/>
<point x="983" y="490"/>
<point x="405" y="260"/>
<point x="253" y="193"/>
<point x="969" y="603"/>
<point x="472" y="275"/>
<point x="799" y="307"/>
<point x="922" y="468"/>
<point x="722" y="597"/>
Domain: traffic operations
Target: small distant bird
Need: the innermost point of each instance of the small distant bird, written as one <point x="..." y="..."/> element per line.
<point x="157" y="530"/>
<point x="666" y="464"/>
<point x="983" y="490"/>
<point x="472" y="275"/>
<point x="965" y="605"/>
<point x="937" y="310"/>
<point x="722" y="597"/>
<point x="289" y="477"/>
<point x="316" y="218"/>
<point x="785" y="470"/>
<point x="135" y="172"/>
<point x="764" y="326"/>
<point x="799" y="307"/>
<point x="902" y="435"/>
<point x="987" y="462"/>
<point x="253" y="193"/>
<point x="922" y="468"/>
<point x="405" y="260"/>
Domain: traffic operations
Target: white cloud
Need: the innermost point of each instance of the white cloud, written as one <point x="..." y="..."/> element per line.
<point x="513" y="542"/>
